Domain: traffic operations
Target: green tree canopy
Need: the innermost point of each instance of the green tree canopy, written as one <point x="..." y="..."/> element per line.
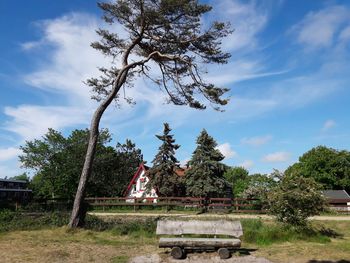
<point x="238" y="177"/>
<point x="57" y="162"/>
<point x="22" y="177"/>
<point x="260" y="185"/>
<point x="295" y="199"/>
<point x="205" y="176"/>
<point x="329" y="167"/>
<point x="163" y="175"/>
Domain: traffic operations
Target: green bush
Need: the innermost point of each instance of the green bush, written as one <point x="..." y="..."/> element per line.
<point x="11" y="221"/>
<point x="295" y="199"/>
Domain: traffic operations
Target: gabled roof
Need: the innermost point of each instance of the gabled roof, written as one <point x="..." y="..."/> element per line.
<point x="179" y="171"/>
<point x="334" y="195"/>
<point x="141" y="168"/>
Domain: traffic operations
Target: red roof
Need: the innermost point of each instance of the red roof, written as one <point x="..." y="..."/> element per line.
<point x="141" y="168"/>
<point x="179" y="171"/>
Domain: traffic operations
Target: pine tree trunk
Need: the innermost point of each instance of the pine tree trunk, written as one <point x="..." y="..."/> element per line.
<point x="79" y="209"/>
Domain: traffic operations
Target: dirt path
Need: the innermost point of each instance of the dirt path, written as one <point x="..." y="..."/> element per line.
<point x="231" y="216"/>
<point x="198" y="258"/>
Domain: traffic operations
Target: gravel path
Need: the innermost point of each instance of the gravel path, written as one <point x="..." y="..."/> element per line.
<point x="198" y="258"/>
<point x="234" y="216"/>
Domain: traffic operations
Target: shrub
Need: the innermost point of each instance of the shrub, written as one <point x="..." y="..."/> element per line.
<point x="295" y="199"/>
<point x="11" y="221"/>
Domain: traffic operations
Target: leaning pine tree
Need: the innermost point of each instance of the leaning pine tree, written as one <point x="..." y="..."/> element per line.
<point x="205" y="177"/>
<point x="162" y="175"/>
<point x="164" y="41"/>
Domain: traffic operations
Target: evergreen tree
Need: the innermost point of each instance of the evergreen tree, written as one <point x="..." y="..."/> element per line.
<point x="205" y="177"/>
<point x="163" y="175"/>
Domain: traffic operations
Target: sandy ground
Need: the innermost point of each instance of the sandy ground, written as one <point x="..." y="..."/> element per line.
<point x="233" y="216"/>
<point x="198" y="258"/>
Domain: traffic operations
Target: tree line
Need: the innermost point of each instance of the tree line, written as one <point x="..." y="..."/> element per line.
<point x="292" y="196"/>
<point x="56" y="162"/>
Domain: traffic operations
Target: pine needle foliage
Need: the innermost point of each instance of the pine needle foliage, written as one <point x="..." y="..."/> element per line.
<point x="205" y="177"/>
<point x="163" y="175"/>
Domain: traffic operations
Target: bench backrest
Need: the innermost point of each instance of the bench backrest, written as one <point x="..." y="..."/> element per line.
<point x="218" y="227"/>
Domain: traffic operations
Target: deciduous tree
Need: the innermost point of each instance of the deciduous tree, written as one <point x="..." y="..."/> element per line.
<point x="327" y="166"/>
<point x="238" y="177"/>
<point x="57" y="161"/>
<point x="295" y="199"/>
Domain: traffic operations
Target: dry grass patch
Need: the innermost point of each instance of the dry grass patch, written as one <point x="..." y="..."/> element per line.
<point x="337" y="249"/>
<point x="60" y="245"/>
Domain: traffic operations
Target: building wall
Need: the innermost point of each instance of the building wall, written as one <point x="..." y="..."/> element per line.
<point x="139" y="188"/>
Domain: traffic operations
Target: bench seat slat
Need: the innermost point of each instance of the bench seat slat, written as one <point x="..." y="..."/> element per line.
<point x="199" y="242"/>
<point x="220" y="227"/>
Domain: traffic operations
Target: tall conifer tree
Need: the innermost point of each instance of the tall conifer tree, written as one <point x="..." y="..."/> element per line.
<point x="163" y="177"/>
<point x="205" y="177"/>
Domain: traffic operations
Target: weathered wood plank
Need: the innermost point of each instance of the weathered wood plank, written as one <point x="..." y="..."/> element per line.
<point x="219" y="227"/>
<point x="199" y="242"/>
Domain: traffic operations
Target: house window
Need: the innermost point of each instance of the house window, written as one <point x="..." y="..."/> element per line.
<point x="134" y="188"/>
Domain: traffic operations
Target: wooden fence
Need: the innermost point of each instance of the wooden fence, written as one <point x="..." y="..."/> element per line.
<point x="235" y="205"/>
<point x="238" y="205"/>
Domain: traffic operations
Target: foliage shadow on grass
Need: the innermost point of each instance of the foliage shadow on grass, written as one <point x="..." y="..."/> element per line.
<point x="328" y="261"/>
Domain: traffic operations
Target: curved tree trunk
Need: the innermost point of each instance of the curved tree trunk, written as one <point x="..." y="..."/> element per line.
<point x="79" y="209"/>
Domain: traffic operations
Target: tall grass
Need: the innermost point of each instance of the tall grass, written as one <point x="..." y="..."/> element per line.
<point x="258" y="232"/>
<point x="266" y="233"/>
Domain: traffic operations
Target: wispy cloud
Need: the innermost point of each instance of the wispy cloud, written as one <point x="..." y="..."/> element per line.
<point x="246" y="18"/>
<point x="329" y="124"/>
<point x="277" y="157"/>
<point x="30" y="121"/>
<point x="247" y="164"/>
<point x="257" y="141"/>
<point x="226" y="150"/>
<point x="9" y="153"/>
<point x="319" y="29"/>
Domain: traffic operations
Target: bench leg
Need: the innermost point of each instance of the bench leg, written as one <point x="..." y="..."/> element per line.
<point x="177" y="252"/>
<point x="224" y="253"/>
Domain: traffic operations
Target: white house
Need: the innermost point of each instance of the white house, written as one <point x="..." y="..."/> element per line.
<point x="137" y="185"/>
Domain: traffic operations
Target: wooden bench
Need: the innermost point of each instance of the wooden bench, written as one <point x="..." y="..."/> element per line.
<point x="217" y="229"/>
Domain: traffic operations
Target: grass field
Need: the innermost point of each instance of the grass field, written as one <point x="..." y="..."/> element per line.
<point x="123" y="238"/>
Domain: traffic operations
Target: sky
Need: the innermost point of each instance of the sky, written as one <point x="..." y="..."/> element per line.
<point x="288" y="75"/>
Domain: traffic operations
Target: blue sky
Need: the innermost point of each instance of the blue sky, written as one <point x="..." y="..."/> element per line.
<point x="288" y="76"/>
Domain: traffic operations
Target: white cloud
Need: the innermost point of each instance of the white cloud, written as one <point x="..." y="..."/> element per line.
<point x="257" y="141"/>
<point x="345" y="34"/>
<point x="9" y="171"/>
<point x="329" y="124"/>
<point x="9" y="153"/>
<point x="70" y="60"/>
<point x="247" y="164"/>
<point x="226" y="150"/>
<point x="277" y="157"/>
<point x="246" y="18"/>
<point x="31" y="121"/>
<point x="318" y="29"/>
